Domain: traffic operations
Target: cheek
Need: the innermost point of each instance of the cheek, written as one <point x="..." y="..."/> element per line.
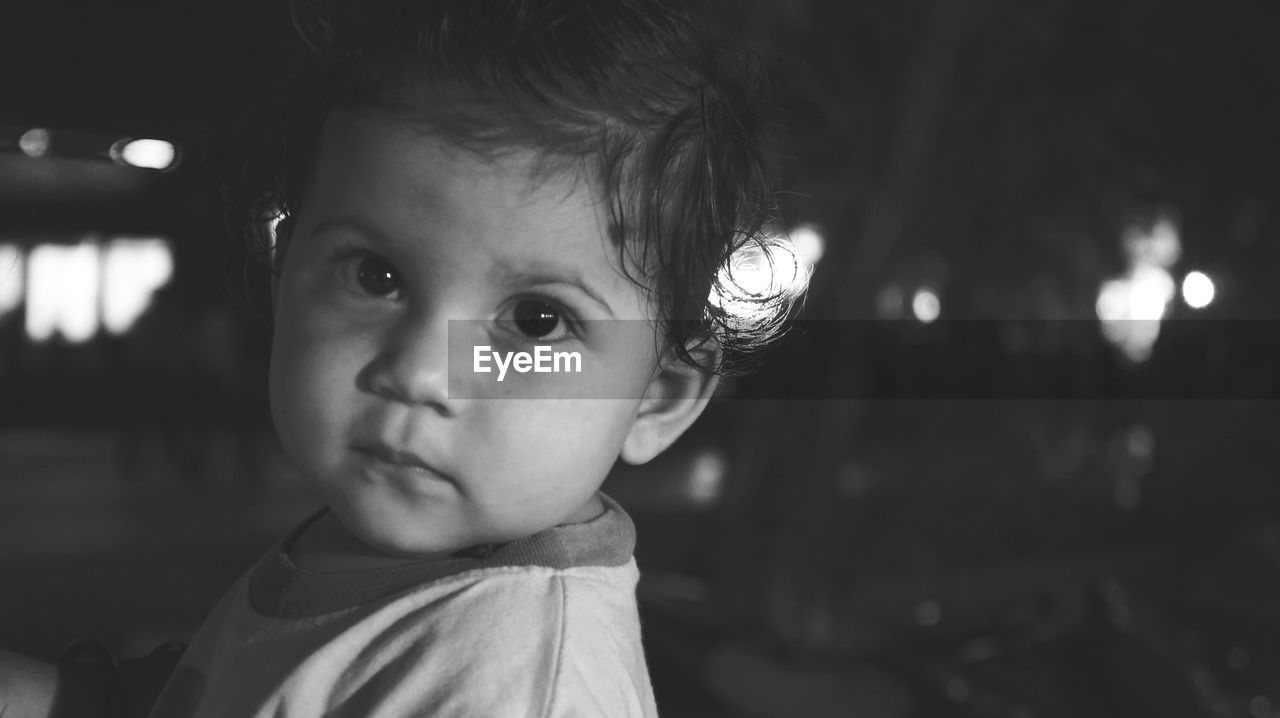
<point x="579" y="438"/>
<point x="311" y="338"/>
<point x="307" y="372"/>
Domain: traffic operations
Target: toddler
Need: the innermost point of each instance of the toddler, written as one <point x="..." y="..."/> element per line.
<point x="450" y="175"/>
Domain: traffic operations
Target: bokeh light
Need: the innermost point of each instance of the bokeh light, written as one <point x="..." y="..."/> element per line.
<point x="808" y="243"/>
<point x="706" y="476"/>
<point x="145" y="153"/>
<point x="35" y="142"/>
<point x="1197" y="290"/>
<point x="62" y="295"/>
<point x="1131" y="307"/>
<point x="928" y="613"/>
<point x="76" y="290"/>
<point x="1143" y="293"/>
<point x="926" y="305"/>
<point x="133" y="269"/>
<point x="890" y="302"/>
<point x="1158" y="243"/>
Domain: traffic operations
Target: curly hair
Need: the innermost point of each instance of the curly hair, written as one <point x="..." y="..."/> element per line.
<point x="666" y="120"/>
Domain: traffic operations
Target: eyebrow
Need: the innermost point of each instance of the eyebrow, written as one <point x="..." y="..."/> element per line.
<point x="352" y="225"/>
<point x="551" y="275"/>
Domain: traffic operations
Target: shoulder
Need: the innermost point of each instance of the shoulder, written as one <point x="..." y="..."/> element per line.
<point x="525" y="610"/>
<point x="525" y="641"/>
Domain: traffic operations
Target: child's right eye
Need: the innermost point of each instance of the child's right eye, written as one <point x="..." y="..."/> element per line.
<point x="369" y="274"/>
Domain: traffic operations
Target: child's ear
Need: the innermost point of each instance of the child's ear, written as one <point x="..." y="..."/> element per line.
<point x="673" y="400"/>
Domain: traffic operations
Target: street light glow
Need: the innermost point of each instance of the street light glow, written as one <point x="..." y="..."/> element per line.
<point x="145" y="153"/>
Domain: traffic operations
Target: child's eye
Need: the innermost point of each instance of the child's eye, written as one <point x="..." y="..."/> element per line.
<point x="538" y="319"/>
<point x="370" y="274"/>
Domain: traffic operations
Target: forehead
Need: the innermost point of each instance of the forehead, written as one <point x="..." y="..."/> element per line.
<point x="381" y="163"/>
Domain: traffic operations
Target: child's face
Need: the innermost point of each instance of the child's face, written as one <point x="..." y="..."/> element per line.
<point x="398" y="233"/>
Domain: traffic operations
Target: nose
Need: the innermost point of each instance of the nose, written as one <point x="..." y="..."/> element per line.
<point x="411" y="364"/>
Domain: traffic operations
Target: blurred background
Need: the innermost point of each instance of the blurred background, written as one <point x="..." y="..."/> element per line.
<point x="1016" y="459"/>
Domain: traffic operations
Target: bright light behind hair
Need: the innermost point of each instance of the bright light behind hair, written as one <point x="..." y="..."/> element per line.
<point x="62" y="296"/>
<point x="148" y="154"/>
<point x="761" y="271"/>
<point x="132" y="269"/>
<point x="11" y="284"/>
<point x="759" y="274"/>
<point x="926" y="305"/>
<point x="1197" y="290"/>
<point x="271" y="229"/>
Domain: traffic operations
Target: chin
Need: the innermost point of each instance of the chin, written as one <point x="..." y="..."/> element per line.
<point x="379" y="533"/>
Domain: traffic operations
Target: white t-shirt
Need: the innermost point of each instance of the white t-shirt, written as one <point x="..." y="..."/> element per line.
<point x="544" y="626"/>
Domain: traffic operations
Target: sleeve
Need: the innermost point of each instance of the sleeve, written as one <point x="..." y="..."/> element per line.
<point x="600" y="667"/>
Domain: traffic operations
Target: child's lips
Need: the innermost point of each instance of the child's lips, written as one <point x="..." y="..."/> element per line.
<point x="398" y="460"/>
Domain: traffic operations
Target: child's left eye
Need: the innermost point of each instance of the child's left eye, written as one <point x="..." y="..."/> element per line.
<point x="538" y="319"/>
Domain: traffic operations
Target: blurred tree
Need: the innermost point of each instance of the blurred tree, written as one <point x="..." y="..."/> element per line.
<point x="1009" y="144"/>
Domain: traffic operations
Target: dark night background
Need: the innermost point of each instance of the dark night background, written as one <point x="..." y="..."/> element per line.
<point x="995" y="513"/>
